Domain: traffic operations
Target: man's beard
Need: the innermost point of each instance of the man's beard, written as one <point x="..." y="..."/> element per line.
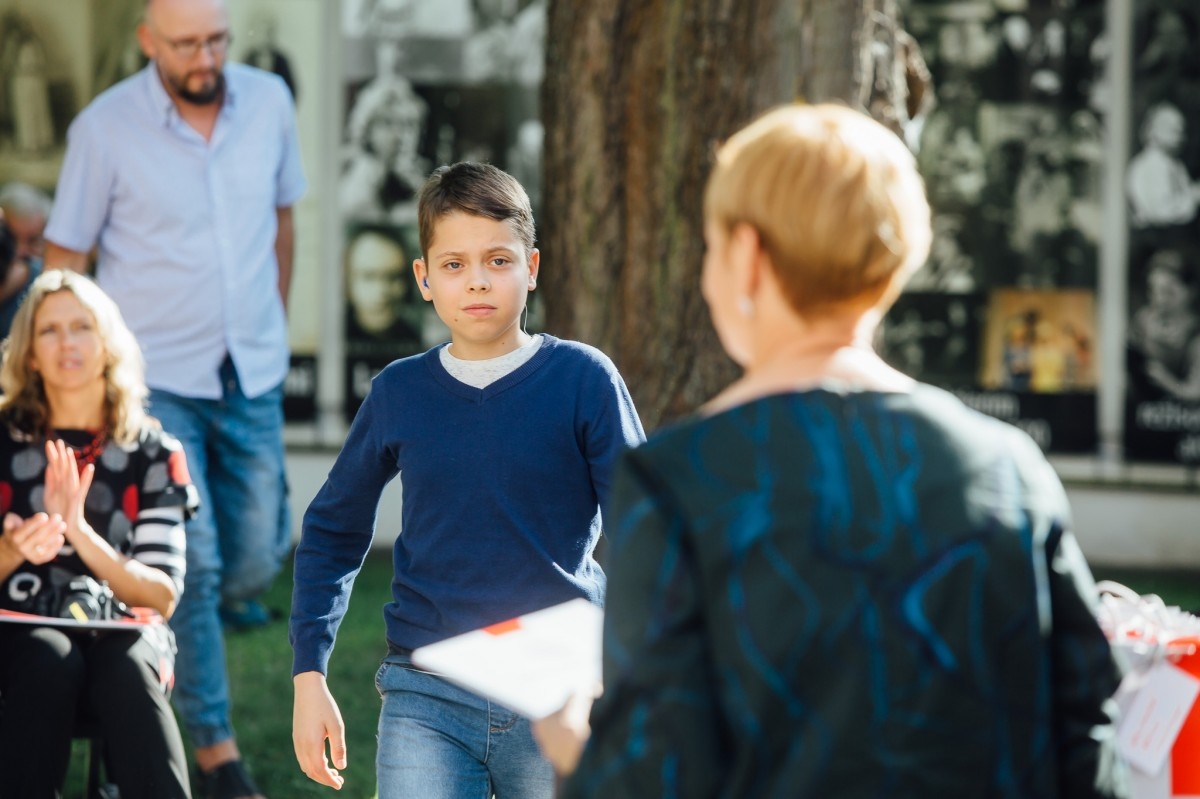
<point x="207" y="96"/>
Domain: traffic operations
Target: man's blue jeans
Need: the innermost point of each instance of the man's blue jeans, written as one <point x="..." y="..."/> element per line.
<point x="236" y="542"/>
<point x="437" y="741"/>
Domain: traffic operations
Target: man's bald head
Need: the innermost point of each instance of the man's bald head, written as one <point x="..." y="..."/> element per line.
<point x="177" y="18"/>
<point x="155" y="9"/>
<point x="187" y="40"/>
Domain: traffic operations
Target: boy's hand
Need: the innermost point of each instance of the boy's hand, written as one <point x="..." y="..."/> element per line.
<point x="315" y="719"/>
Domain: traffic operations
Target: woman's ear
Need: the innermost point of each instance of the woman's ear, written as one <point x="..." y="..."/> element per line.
<point x="746" y="259"/>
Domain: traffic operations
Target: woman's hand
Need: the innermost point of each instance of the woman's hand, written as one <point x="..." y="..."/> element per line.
<point x="67" y="487"/>
<point x="562" y="736"/>
<point x="36" y="539"/>
<point x="132" y="582"/>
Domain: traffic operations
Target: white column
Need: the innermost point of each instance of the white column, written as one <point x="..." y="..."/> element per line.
<point x="1112" y="291"/>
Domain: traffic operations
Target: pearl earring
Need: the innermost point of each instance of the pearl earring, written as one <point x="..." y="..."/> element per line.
<point x="745" y="306"/>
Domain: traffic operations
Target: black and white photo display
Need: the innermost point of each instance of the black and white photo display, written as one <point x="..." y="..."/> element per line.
<point x="1162" y="187"/>
<point x="426" y="84"/>
<point x="1011" y="154"/>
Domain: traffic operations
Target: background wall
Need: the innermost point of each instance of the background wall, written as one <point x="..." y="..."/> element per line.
<point x="1040" y="111"/>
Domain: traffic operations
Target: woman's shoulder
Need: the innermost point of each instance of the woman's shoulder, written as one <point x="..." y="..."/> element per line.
<point x="16" y="438"/>
<point x="154" y="442"/>
<point x="165" y="479"/>
<point x="825" y="417"/>
<point x="681" y="446"/>
<point x="929" y="430"/>
<point x="939" y="418"/>
<point x="14" y="425"/>
<point x="982" y="448"/>
<point x="21" y="455"/>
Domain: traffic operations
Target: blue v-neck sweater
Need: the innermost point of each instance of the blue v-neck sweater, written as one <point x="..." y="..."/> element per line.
<point x="502" y="491"/>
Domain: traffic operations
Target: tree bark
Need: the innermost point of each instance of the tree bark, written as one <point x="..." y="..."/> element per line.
<point x="637" y="95"/>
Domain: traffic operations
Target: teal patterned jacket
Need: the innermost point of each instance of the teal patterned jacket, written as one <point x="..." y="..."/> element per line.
<point x="826" y="594"/>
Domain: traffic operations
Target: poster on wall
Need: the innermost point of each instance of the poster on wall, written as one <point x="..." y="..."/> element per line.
<point x="1038" y="362"/>
<point x="1011" y="155"/>
<point x="385" y="316"/>
<point x="45" y="79"/>
<point x="934" y="335"/>
<point x="1162" y="185"/>
<point x="117" y="53"/>
<point x="285" y="37"/>
<point x="425" y="84"/>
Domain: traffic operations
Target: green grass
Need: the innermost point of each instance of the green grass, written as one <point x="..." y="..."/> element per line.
<point x="260" y="664"/>
<point x="260" y="669"/>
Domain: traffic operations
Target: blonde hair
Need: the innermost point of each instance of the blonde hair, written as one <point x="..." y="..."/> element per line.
<point x="834" y="197"/>
<point x="24" y="402"/>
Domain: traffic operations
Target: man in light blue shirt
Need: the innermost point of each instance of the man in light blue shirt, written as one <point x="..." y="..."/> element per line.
<point x="183" y="177"/>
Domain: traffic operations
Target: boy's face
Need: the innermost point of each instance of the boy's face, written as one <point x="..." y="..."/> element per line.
<point x="478" y="276"/>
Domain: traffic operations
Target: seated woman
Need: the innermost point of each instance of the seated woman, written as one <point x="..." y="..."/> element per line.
<point x="836" y="581"/>
<point x="89" y="485"/>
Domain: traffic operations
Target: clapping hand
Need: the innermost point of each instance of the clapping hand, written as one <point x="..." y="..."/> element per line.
<point x="38" y="538"/>
<point x="66" y="486"/>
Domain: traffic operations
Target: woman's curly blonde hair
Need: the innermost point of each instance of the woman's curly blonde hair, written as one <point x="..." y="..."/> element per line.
<point x="24" y="405"/>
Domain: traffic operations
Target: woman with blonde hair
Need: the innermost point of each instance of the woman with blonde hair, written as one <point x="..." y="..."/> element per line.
<point x="93" y="495"/>
<point x="835" y="581"/>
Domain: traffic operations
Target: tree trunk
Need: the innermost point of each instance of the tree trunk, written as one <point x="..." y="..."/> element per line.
<point x="637" y="95"/>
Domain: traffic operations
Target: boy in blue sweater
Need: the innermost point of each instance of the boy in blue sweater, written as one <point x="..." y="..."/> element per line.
<point x="506" y="444"/>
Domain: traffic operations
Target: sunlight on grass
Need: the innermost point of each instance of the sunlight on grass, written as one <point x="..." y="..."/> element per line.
<point x="260" y="668"/>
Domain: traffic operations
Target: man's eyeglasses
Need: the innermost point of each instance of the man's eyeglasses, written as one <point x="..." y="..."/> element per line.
<point x="188" y="49"/>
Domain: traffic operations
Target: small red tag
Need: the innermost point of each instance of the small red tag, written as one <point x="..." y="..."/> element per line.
<point x="500" y="628"/>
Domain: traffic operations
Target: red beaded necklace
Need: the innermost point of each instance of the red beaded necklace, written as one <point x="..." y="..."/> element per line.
<point x="89" y="451"/>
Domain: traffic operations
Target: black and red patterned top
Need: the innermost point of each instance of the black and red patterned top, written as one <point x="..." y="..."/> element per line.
<point x="140" y="495"/>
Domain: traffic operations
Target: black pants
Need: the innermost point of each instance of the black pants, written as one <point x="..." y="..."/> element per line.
<point x="49" y="677"/>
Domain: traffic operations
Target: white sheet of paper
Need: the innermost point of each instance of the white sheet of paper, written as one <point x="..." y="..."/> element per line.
<point x="531" y="664"/>
<point x="1152" y="723"/>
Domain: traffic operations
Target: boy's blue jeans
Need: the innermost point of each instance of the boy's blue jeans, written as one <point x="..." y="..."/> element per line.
<point x="236" y="542"/>
<point x="438" y="741"/>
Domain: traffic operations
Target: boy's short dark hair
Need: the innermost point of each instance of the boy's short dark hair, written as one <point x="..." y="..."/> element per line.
<point x="478" y="189"/>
